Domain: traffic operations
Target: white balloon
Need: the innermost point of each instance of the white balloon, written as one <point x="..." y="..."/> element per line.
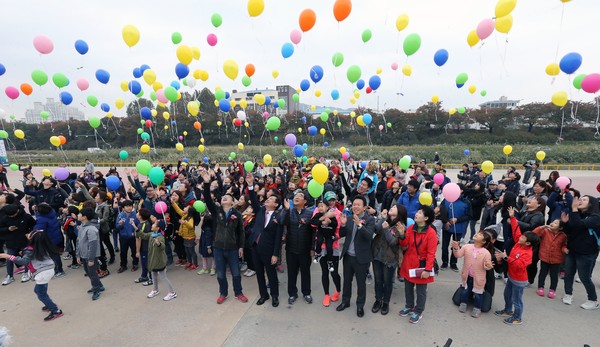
<point x="241" y="115"/>
<point x="191" y="82"/>
<point x="2" y="113"/>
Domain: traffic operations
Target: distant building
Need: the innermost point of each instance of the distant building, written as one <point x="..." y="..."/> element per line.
<point x="280" y="92"/>
<point x="58" y="112"/>
<point x="502" y="103"/>
<point x="317" y="110"/>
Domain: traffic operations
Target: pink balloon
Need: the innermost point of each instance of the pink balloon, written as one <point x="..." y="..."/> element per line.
<point x="296" y="36"/>
<point x="266" y="115"/>
<point x="562" y="182"/>
<point x="380" y="127"/>
<point x="591" y="83"/>
<point x="438" y="179"/>
<point x="345" y="155"/>
<point x="83" y="84"/>
<point x="12" y="92"/>
<point x="485" y="28"/>
<point x="160" y="207"/>
<point x="451" y="192"/>
<point x="394" y="66"/>
<point x="160" y="95"/>
<point x="212" y="40"/>
<point x="43" y="44"/>
<point x="180" y="138"/>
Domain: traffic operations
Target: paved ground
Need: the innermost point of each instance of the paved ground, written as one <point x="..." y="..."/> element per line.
<point x="124" y="316"/>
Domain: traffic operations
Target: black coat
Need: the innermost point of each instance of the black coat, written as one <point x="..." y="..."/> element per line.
<point x="16" y="239"/>
<point x="362" y="238"/>
<point x="300" y="235"/>
<point x="265" y="240"/>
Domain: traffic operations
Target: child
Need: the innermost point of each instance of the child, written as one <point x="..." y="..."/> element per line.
<point x="186" y="230"/>
<point x="141" y="244"/>
<point x="553" y="247"/>
<point x="88" y="249"/>
<point x="206" y="241"/>
<point x="520" y="257"/>
<point x="127" y="235"/>
<point x="70" y="230"/>
<point x="325" y="233"/>
<point x="477" y="261"/>
<point x="38" y="258"/>
<point x="157" y="261"/>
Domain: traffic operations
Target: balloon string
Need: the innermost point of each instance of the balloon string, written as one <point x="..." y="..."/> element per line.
<point x="597" y="134"/>
<point x="558" y="142"/>
<point x="27" y="151"/>
<point x="562" y="16"/>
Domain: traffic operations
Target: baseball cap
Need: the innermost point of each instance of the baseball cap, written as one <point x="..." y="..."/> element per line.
<point x="330" y="195"/>
<point x="492" y="182"/>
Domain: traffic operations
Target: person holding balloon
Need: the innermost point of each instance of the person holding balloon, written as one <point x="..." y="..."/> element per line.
<point x="455" y="213"/>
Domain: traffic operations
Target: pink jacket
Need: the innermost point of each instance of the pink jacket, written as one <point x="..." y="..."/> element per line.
<point x="479" y="260"/>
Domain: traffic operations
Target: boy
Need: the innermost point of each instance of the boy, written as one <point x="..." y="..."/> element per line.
<point x="519" y="259"/>
<point x="325" y="228"/>
<point x="141" y="244"/>
<point x="88" y="249"/>
<point x="127" y="238"/>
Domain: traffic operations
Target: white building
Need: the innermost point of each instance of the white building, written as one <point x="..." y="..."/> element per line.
<point x="281" y="92"/>
<point x="58" y="112"/>
<point x="502" y="103"/>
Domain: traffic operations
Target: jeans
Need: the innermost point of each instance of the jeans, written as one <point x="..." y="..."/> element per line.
<point x="353" y="268"/>
<point x="42" y="294"/>
<point x="337" y="280"/>
<point x="582" y="264"/>
<point x="464" y="297"/>
<point x="409" y="294"/>
<point x="92" y="274"/>
<point x="115" y="234"/>
<point x="144" y="261"/>
<point x="446" y="235"/>
<point x="472" y="225"/>
<point x="546" y="268"/>
<point x="169" y="251"/>
<point x="128" y="244"/>
<point x="58" y="266"/>
<point x="513" y="296"/>
<point x="384" y="281"/>
<point x="9" y="264"/>
<point x="298" y="263"/>
<point x="223" y="258"/>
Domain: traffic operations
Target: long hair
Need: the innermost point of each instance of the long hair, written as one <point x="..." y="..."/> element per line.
<point x="401" y="217"/>
<point x="42" y="247"/>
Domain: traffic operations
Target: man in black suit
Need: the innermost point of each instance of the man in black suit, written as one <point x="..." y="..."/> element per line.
<point x="266" y="243"/>
<point x="356" y="253"/>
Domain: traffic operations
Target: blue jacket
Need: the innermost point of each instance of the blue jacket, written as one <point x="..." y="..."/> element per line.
<point x="412" y="204"/>
<point x="461" y="210"/>
<point x="49" y="224"/>
<point x="126" y="230"/>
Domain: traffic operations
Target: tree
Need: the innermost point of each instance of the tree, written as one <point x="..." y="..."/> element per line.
<point x="536" y="113"/>
<point x="491" y="118"/>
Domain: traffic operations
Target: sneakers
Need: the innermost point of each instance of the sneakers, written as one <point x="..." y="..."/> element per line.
<point x="188" y="266"/>
<point x="292" y="299"/>
<point x="73" y="266"/>
<point x="561" y="275"/>
<point x="444" y="266"/>
<point x="503" y="313"/>
<point x="330" y="266"/>
<point x="567" y="299"/>
<point x="141" y="280"/>
<point x="242" y="298"/>
<point x="213" y="272"/>
<point x="308" y="299"/>
<point x="170" y="296"/>
<point x="193" y="267"/>
<point x="243" y="267"/>
<point x="181" y="263"/>
<point x="67" y="257"/>
<point x="336" y="296"/>
<point x="203" y="271"/>
<point x="8" y="280"/>
<point x="590" y="305"/>
<point x="497" y="275"/>
<point x="221" y="299"/>
<point x="102" y="274"/>
<point x="19" y="270"/>
<point x="454" y="267"/>
<point x="540" y="291"/>
<point x="369" y="278"/>
<point x="326" y="300"/>
<point x="26" y="277"/>
<point x="147" y="283"/>
<point x="551" y="294"/>
<point x="512" y="321"/>
<point x="122" y="269"/>
<point x="91" y="290"/>
<point x="153" y="293"/>
<point x="578" y="280"/>
<point x="406" y="311"/>
<point x="317" y="258"/>
<point x="462" y="308"/>
<point x="54" y="315"/>
<point x="249" y="273"/>
<point x="415" y="318"/>
<point x="96" y="296"/>
<point x="60" y="274"/>
<point x="476" y="313"/>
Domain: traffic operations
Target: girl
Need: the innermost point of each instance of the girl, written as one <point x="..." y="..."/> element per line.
<point x="70" y="231"/>
<point x="477" y="261"/>
<point x="157" y="261"/>
<point x="206" y="241"/>
<point x="177" y="199"/>
<point x="38" y="258"/>
<point x="553" y="247"/>
<point x="186" y="231"/>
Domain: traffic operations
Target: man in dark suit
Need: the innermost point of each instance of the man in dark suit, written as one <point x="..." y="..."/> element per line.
<point x="266" y="243"/>
<point x="356" y="253"/>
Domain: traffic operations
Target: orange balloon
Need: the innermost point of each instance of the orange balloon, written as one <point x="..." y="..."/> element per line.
<point x="62" y="139"/>
<point x="26" y="89"/>
<point x="197" y="125"/>
<point x="307" y="19"/>
<point x="341" y="9"/>
<point x="250" y="69"/>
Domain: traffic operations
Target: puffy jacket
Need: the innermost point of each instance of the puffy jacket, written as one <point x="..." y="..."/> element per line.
<point x="520" y="256"/>
<point x="530" y="221"/>
<point x="552" y="245"/>
<point x="461" y="210"/>
<point x="411" y="203"/>
<point x="88" y="241"/>
<point x="385" y="245"/>
<point x="51" y="196"/>
<point x="426" y="241"/>
<point x="16" y="239"/>
<point x="186" y="229"/>
<point x="229" y="230"/>
<point x="126" y="230"/>
<point x="49" y="224"/>
<point x="300" y="235"/>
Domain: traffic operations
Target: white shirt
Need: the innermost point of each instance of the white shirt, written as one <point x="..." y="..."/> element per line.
<point x="268" y="217"/>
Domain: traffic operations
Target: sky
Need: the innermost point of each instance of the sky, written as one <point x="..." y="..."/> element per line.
<point x="511" y="65"/>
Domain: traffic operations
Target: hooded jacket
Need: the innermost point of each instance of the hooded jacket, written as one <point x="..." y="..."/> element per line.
<point x="49" y="224"/>
<point x="88" y="241"/>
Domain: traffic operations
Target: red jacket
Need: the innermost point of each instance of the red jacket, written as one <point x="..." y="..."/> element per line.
<point x="552" y="245"/>
<point x="520" y="256"/>
<point x="427" y="242"/>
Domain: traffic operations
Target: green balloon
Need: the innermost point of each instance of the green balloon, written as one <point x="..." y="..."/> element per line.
<point x="281" y="103"/>
<point x="176" y="38"/>
<point x="324" y="116"/>
<point x="142" y="122"/>
<point x="246" y="81"/>
<point x="185" y="82"/>
<point x="153" y="95"/>
<point x="171" y="93"/>
<point x="389" y="125"/>
<point x="366" y="35"/>
<point x="140" y="94"/>
<point x="404" y="162"/>
<point x="220" y="94"/>
<point x="353" y="73"/>
<point x="284" y="152"/>
<point x="315" y="189"/>
<point x="94" y="122"/>
<point x="216" y="20"/>
<point x="14" y="167"/>
<point x="339" y="124"/>
<point x="232" y="155"/>
<point x="44" y="115"/>
<point x="462" y="78"/>
<point x="140" y="131"/>
<point x="296" y="97"/>
<point x="12" y="116"/>
<point x="461" y="110"/>
<point x="337" y="59"/>
<point x="276" y="138"/>
<point x="328" y="111"/>
<point x="248" y="166"/>
<point x="199" y="206"/>
<point x="92" y="100"/>
<point x="412" y="43"/>
<point x="143" y="166"/>
<point x="483" y="93"/>
<point x="145" y="136"/>
<point x="305" y="159"/>
<point x="156" y="175"/>
<point x="577" y="81"/>
<point x="123" y="155"/>
<point x="273" y="123"/>
<point x="60" y="80"/>
<point x="3" y="134"/>
<point x="39" y="77"/>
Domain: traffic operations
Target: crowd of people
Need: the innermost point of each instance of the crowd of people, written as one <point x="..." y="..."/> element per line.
<point x="369" y="217"/>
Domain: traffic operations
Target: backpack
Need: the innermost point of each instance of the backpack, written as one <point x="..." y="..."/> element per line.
<point x="112" y="217"/>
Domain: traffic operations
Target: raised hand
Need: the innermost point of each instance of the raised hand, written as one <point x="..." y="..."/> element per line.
<point x="250" y="181"/>
<point x="511" y="211"/>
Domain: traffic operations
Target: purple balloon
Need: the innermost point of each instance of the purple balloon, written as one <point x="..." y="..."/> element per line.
<point x="61" y="174"/>
<point x="290" y="140"/>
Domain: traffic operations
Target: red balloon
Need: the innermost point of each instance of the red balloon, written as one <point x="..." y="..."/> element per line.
<point x="369" y="90"/>
<point x="237" y="122"/>
<point x="148" y="123"/>
<point x="250" y="69"/>
<point x="197" y="125"/>
<point x="63" y="140"/>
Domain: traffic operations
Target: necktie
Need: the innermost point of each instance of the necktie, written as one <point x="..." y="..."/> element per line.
<point x="266" y="218"/>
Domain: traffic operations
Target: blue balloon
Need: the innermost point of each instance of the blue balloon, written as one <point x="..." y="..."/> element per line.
<point x="102" y="76"/>
<point x="298" y="150"/>
<point x="570" y="63"/>
<point x="440" y="57"/>
<point x="335" y="94"/>
<point x="173" y="122"/>
<point x="325" y="144"/>
<point x="146" y="113"/>
<point x="113" y="183"/>
<point x="224" y="105"/>
<point x="205" y="159"/>
<point x="2" y="69"/>
<point x="66" y="98"/>
<point x="367" y="118"/>
<point x="275" y="105"/>
<point x="410" y="222"/>
<point x="304" y="85"/>
<point x="459" y="85"/>
<point x="268" y="100"/>
<point x="316" y="73"/>
<point x="104" y="107"/>
<point x="185" y="160"/>
<point x="305" y="146"/>
<point x="287" y="50"/>
<point x="363" y="164"/>
<point x="227" y="95"/>
<point x="360" y="84"/>
<point x="144" y="67"/>
<point x="312" y="130"/>
<point x="181" y="70"/>
<point x="175" y="85"/>
<point x="81" y="47"/>
<point x="303" y="119"/>
<point x="467" y="152"/>
<point x="374" y="82"/>
<point x="137" y="72"/>
<point x="134" y="87"/>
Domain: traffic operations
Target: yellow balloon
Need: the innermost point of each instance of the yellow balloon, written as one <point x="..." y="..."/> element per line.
<point x="131" y="35"/>
<point x="243" y="103"/>
<point x="196" y="53"/>
<point x="299" y="130"/>
<point x="452" y="111"/>
<point x="201" y="148"/>
<point x="185" y="133"/>
<point x="540" y="155"/>
<point x="19" y="134"/>
<point x="425" y="198"/>
<point x="184" y="54"/>
<point x="193" y="108"/>
<point x="124" y="86"/>
<point x="149" y="76"/>
<point x="323" y="131"/>
<point x="275" y="73"/>
<point x="153" y="112"/>
<point x="232" y="103"/>
<point x="379" y="71"/>
<point x="472" y="38"/>
<point x="216" y="103"/>
<point x="407" y="70"/>
<point x="145" y="149"/>
<point x="196" y="74"/>
<point x="241" y="146"/>
<point x="179" y="146"/>
<point x="55" y="141"/>
<point x="166" y="127"/>
<point x="219" y="123"/>
<point x="46" y="173"/>
<point x="157" y="86"/>
<point x="552" y="69"/>
<point x="203" y="75"/>
<point x="313" y="107"/>
<point x="335" y="112"/>
<point x="119" y="103"/>
<point x="246" y="124"/>
<point x="357" y="94"/>
<point x="507" y="150"/>
<point x="267" y="159"/>
<point x="565" y="1"/>
<point x="359" y="121"/>
<point x="109" y="115"/>
<point x="560" y="99"/>
<point x="178" y="95"/>
<point x="230" y="68"/>
<point x="260" y="99"/>
<point x="504" y="24"/>
<point x="435" y="99"/>
<point x="255" y="7"/>
<point x="320" y="173"/>
<point x="166" y="115"/>
<point x="202" y="140"/>
<point x="401" y="22"/>
<point x="505" y="7"/>
<point x="487" y="166"/>
<point x="317" y="93"/>
<point x="343" y="150"/>
<point x="352" y="114"/>
<point x="472" y="89"/>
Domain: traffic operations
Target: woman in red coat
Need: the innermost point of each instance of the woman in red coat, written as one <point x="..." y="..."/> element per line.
<point x="420" y="241"/>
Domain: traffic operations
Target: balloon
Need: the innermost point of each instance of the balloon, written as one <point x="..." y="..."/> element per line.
<point x="290" y="140"/>
<point x="94" y="122"/>
<point x="131" y="35"/>
<point x="232" y="155"/>
<point x="179" y="145"/>
<point x="157" y="176"/>
<point x="435" y="99"/>
<point x="14" y="167"/>
<point x="425" y="198"/>
<point x="60" y="80"/>
<point x="320" y="173"/>
<point x="315" y="189"/>
<point x="26" y="88"/>
<point x="39" y="77"/>
<point x="181" y="70"/>
<point x="212" y="39"/>
<point x="296" y="36"/>
<point x="184" y="54"/>
<point x="570" y="63"/>
<point x="562" y="182"/>
<point x="472" y="89"/>
<point x="560" y="99"/>
<point x="461" y="79"/>
<point x="389" y="125"/>
<point x="591" y="83"/>
<point x="304" y="85"/>
<point x="287" y="50"/>
<point x="137" y="73"/>
<point x="374" y="82"/>
<point x="342" y="9"/>
<point x="353" y="74"/>
<point x="552" y="69"/>
<point x="2" y="69"/>
<point x="19" y="134"/>
<point x="102" y="76"/>
<point x="337" y="59"/>
<point x="472" y="38"/>
<point x="170" y="94"/>
<point x="504" y="24"/>
<point x="366" y="35"/>
<point x="438" y="179"/>
<point x="411" y="45"/>
<point x="307" y="19"/>
<point x="199" y="206"/>
<point x="46" y="173"/>
<point x="466" y="152"/>
<point x="505" y="7"/>
<point x="145" y="136"/>
<point x="3" y="134"/>
<point x="216" y="20"/>
<point x="483" y="93"/>
<point x="281" y="103"/>
<point x="451" y="192"/>
<point x="440" y="57"/>
<point x="487" y="166"/>
<point x="343" y="150"/>
<point x="105" y="107"/>
<point x="267" y="159"/>
<point x="224" y="105"/>
<point x="248" y="166"/>
<point x="230" y="68"/>
<point x="404" y="162"/>
<point x="250" y="69"/>
<point x="409" y="222"/>
<point x="255" y="7"/>
<point x="43" y="44"/>
<point x="113" y="183"/>
<point x="275" y="73"/>
<point x="298" y="150"/>
<point x="401" y="22"/>
<point x="367" y="118"/>
<point x="12" y="92"/>
<point x="485" y="28"/>
<point x="62" y="139"/>
<point x="540" y="155"/>
<point x="273" y="123"/>
<point x="346" y="155"/>
<point x="312" y="130"/>
<point x="55" y="141"/>
<point x="461" y="110"/>
<point x="335" y="94"/>
<point x="577" y="81"/>
<point x="44" y="114"/>
<point x="260" y="99"/>
<point x="322" y="131"/>
<point x="507" y="150"/>
<point x="316" y="73"/>
<point x="394" y="66"/>
<point x="123" y="155"/>
<point x="161" y="206"/>
<point x="324" y="116"/>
